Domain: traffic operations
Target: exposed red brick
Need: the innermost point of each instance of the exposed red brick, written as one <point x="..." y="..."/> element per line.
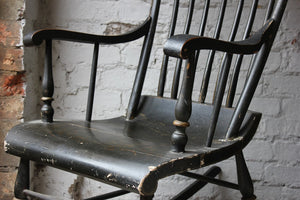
<point x="11" y="59"/>
<point x="11" y="108"/>
<point x="4" y="34"/>
<point x="7" y="181"/>
<point x="10" y="33"/>
<point x="14" y="84"/>
<point x="7" y="159"/>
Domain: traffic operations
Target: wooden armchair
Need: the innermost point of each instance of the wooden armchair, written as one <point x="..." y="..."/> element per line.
<point x="159" y="136"/>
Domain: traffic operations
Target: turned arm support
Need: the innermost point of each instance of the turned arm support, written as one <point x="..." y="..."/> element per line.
<point x="181" y="46"/>
<point x="37" y="37"/>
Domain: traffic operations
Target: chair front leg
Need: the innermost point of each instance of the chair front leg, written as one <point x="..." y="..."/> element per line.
<point x="22" y="180"/>
<point x="244" y="178"/>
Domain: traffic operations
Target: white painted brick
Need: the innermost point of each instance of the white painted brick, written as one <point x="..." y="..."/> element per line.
<point x="50" y="181"/>
<point x="293" y="64"/>
<point x="258" y="151"/>
<point x="268" y="106"/>
<point x="107" y="103"/>
<point x="109" y="55"/>
<point x="290" y="193"/>
<point x="116" y="79"/>
<point x="282" y="175"/>
<point x="131" y="55"/>
<point x="287" y="152"/>
<point x="268" y="192"/>
<point x="273" y="63"/>
<point x="281" y="85"/>
<point x="291" y="108"/>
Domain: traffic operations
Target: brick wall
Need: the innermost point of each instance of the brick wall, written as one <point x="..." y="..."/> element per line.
<point x="272" y="156"/>
<point x="11" y="86"/>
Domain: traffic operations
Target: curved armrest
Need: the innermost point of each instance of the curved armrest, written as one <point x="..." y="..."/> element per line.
<point x="37" y="37"/>
<point x="183" y="45"/>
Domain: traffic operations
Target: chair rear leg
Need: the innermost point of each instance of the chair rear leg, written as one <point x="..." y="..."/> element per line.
<point x="244" y="178"/>
<point x="22" y="180"/>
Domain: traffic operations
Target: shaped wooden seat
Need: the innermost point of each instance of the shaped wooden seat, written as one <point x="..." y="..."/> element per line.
<point x="102" y="149"/>
<point x="160" y="136"/>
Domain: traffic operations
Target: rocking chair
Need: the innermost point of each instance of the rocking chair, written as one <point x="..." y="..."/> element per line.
<point x="161" y="135"/>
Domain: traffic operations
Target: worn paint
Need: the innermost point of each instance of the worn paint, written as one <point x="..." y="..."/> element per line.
<point x="6" y="146"/>
<point x="114" y="28"/>
<point x="230" y="139"/>
<point x="75" y="189"/>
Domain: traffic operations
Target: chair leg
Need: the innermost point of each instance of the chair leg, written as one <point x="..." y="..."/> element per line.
<point x="244" y="178"/>
<point x="146" y="197"/>
<point x="22" y="180"/>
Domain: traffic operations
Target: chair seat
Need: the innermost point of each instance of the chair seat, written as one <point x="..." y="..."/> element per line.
<point x="131" y="154"/>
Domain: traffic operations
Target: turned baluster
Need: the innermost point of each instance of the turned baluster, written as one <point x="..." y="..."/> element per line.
<point x="183" y="107"/>
<point x="47" y="85"/>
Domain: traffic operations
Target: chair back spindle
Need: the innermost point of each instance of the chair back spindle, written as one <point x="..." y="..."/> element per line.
<point x="91" y="93"/>
<point x="210" y="58"/>
<point x="177" y="72"/>
<point x="163" y="72"/>
<point x="143" y="62"/>
<point x="221" y="84"/>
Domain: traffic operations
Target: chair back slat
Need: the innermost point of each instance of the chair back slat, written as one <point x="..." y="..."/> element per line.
<point x="231" y="38"/>
<point x="143" y="62"/>
<point x="177" y="72"/>
<point x="239" y="59"/>
<point x="211" y="55"/>
<point x="236" y="20"/>
<point x="90" y="101"/>
<point x="163" y="72"/>
<point x="202" y="26"/>
<point x="224" y="72"/>
<point x="219" y="97"/>
<point x="269" y="9"/>
<point x="267" y="16"/>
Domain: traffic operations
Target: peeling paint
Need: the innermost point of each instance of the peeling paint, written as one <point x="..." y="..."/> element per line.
<point x="148" y="184"/>
<point x="113" y="28"/>
<point x="51" y="161"/>
<point x="111" y="178"/>
<point x="152" y="168"/>
<point x="75" y="189"/>
<point x="230" y="139"/>
<point x="6" y="146"/>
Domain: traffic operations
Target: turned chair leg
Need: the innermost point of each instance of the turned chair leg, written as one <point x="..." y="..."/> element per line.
<point x="22" y="180"/>
<point x="146" y="197"/>
<point x="244" y="178"/>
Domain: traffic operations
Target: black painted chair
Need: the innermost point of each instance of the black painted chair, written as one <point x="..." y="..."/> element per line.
<point x="160" y="136"/>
